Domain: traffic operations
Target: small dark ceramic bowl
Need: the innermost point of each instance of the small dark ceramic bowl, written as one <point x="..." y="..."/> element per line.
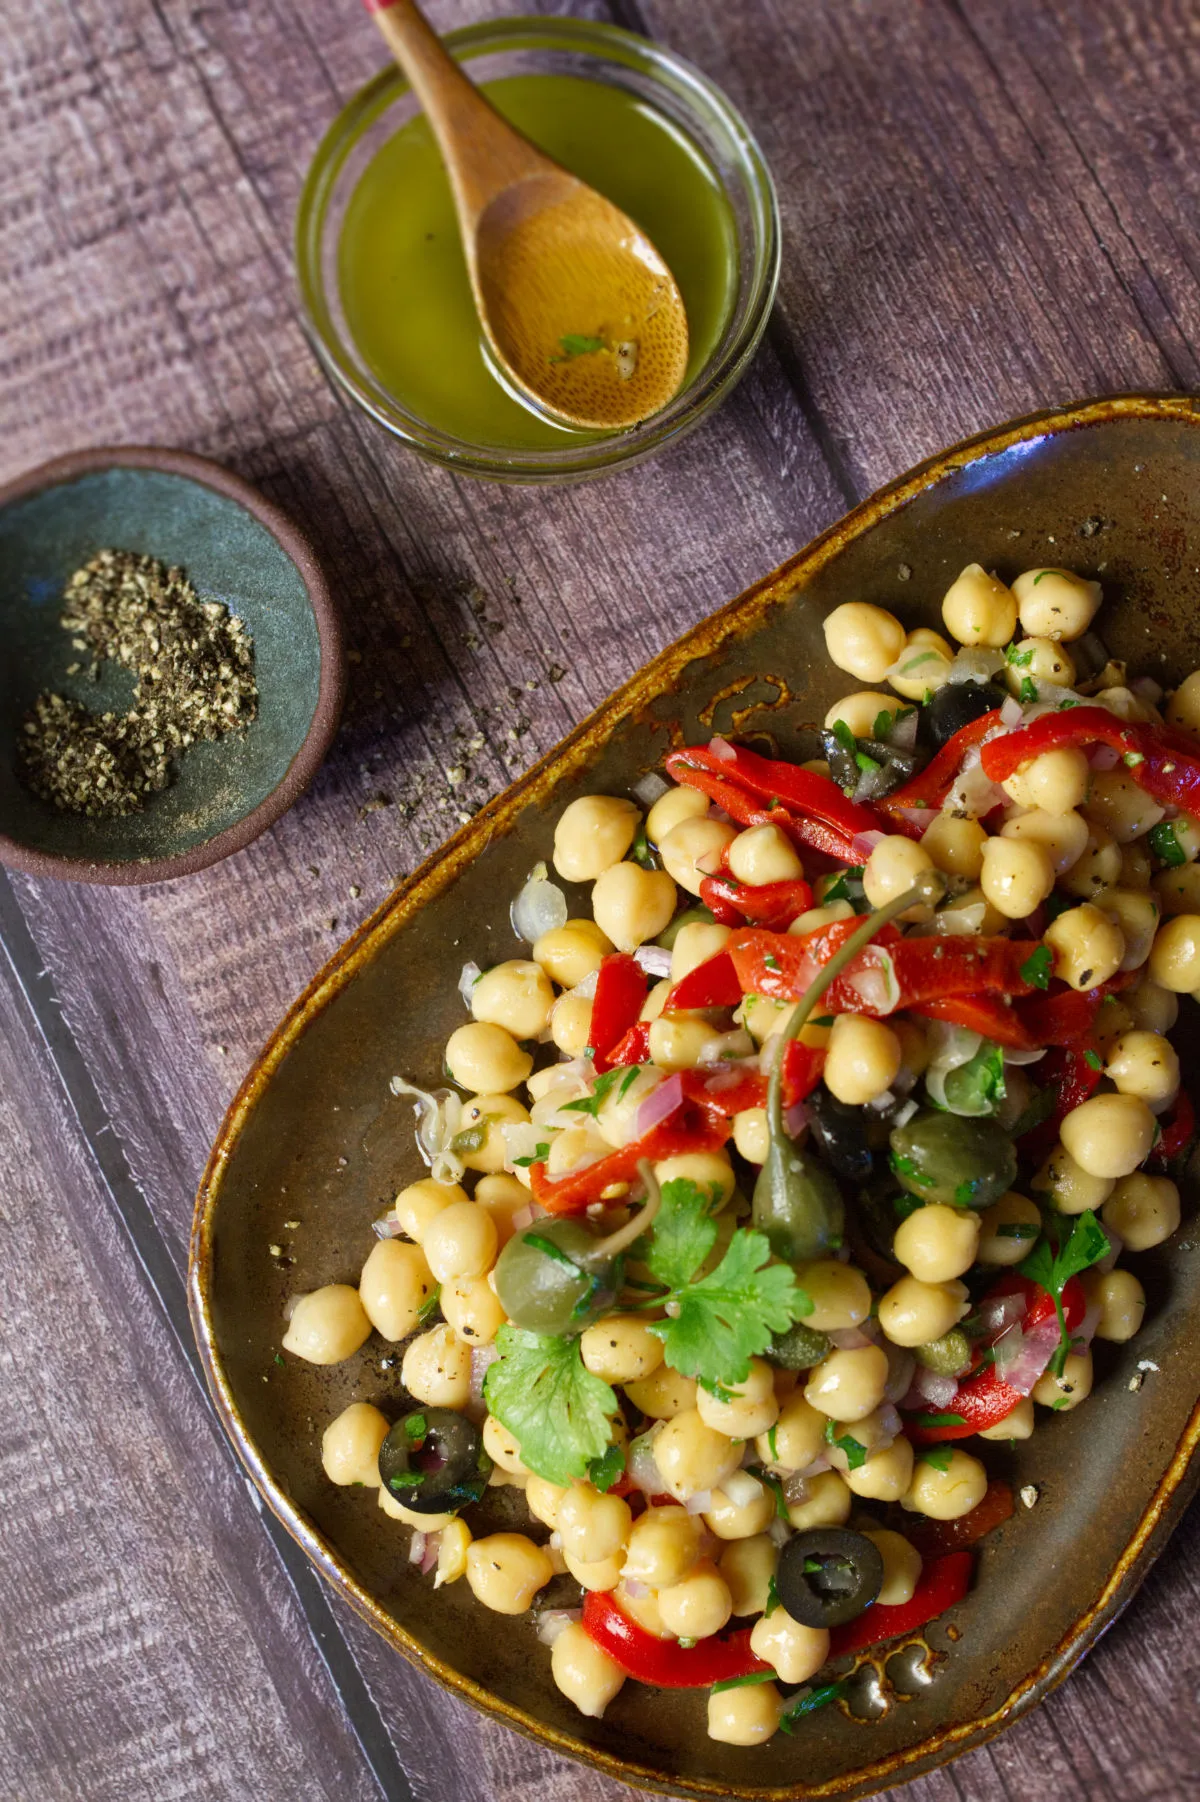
<point x="237" y="548"/>
<point x="1111" y="489"/>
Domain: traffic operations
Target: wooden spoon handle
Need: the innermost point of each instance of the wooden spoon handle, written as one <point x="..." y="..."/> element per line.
<point x="482" y="152"/>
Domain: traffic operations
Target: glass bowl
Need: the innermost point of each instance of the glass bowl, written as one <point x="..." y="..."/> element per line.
<point x="605" y="53"/>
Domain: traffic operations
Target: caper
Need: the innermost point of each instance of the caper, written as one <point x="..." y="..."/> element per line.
<point x="949" y="1356"/>
<point x="828" y="1575"/>
<point x="434" y="1462"/>
<point x="557" y="1277"/>
<point x="800" y="1348"/>
<point x="949" y="1158"/>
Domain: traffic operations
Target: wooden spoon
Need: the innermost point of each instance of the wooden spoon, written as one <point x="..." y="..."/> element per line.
<point x="580" y="311"/>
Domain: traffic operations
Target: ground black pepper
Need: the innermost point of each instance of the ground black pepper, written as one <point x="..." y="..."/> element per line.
<point x="194" y="665"/>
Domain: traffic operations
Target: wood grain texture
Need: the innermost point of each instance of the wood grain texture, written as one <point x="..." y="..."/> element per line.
<point x="989" y="205"/>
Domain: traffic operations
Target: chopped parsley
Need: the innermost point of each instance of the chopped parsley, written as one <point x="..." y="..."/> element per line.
<point x="743" y="1682"/>
<point x="605" y="1470"/>
<point x="1042" y="573"/>
<point x="773" y="1601"/>
<point x="1018" y="656"/>
<point x="1038" y="967"/>
<point x="1078" y="1247"/>
<point x="868" y="765"/>
<point x="574" y="344"/>
<point x="1166" y="847"/>
<point x="937" y="1455"/>
<point x="940" y="1420"/>
<point x="591" y="1104"/>
<point x="771" y="962"/>
<point x="808" y="1701"/>
<point x="1093" y="1060"/>
<point x="559" y="1413"/>
<point x="429" y="1306"/>
<point x="631" y="1076"/>
<point x="855" y="1450"/>
<point x="1028" y="691"/>
<point x="540" y="1153"/>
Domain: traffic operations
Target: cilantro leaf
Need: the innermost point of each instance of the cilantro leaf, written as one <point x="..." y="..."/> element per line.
<point x="844" y="737"/>
<point x="855" y="1450"/>
<point x="640" y="852"/>
<point x="1053" y="1265"/>
<point x="1166" y="847"/>
<point x="683" y="1234"/>
<point x="741" y="1682"/>
<point x="1042" y="574"/>
<point x="1028" y="690"/>
<point x="540" y="1154"/>
<point x="1093" y="1060"/>
<point x="773" y="1601"/>
<point x="557" y="1411"/>
<point x="604" y="1471"/>
<point x="591" y="1104"/>
<point x="430" y="1305"/>
<point x="868" y="765"/>
<point x="841" y="890"/>
<point x="1018" y="656"/>
<point x="730" y="1315"/>
<point x="631" y="1076"/>
<point x="1038" y="967"/>
<point x="940" y="1420"/>
<point x="937" y="1455"/>
<point x="883" y="724"/>
<point x="807" y="1701"/>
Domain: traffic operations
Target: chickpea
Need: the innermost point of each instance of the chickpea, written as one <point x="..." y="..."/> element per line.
<point x="1183" y="709"/>
<point x="798" y="1436"/>
<point x="748" y="1566"/>
<point x="1145" y="1064"/>
<point x="901" y="1566"/>
<point x="481" y="1141"/>
<point x="502" y="1196"/>
<point x="1110" y="1135"/>
<point x="502" y="1448"/>
<point x="692" y="1455"/>
<point x="1135" y="914"/>
<point x="671" y="809"/>
<point x="848" y="1385"/>
<point x="1016" y="1425"/>
<point x="516" y="995"/>
<point x="1066" y="1391"/>
<point x="892" y="867"/>
<point x="923" y="666"/>
<point x="663" y="1394"/>
<point x="570" y="953"/>
<point x="543" y="1499"/>
<point x="859" y="712"/>
<point x="915" y="1313"/>
<point x="593" y="1527"/>
<point x="1119" y="804"/>
<point x="1039" y="660"/>
<point x="328" y="1326"/>
<point x="813" y="918"/>
<point x="656" y="1000"/>
<point x="506" y="1570"/>
<point x="1055" y="604"/>
<point x="677" y="1041"/>
<point x="573" y="1146"/>
<point x="1121" y="1302"/>
<point x="395" y="1282"/>
<point x="1178" y="891"/>
<point x="979" y="610"/>
<point x="938" y="1243"/>
<point x="1088" y="947"/>
<point x="1175" y="959"/>
<point x="753" y="1409"/>
<point x="694" y="944"/>
<point x="744" y="1717"/>
<point x="763" y="1017"/>
<point x="863" y="640"/>
<point x="1017" y="875"/>
<point x="692" y="850"/>
<point x="350" y="1445"/>
<point x="452" y="1553"/>
<point x="797" y="1652"/>
<point x="642" y="1606"/>
<point x="632" y="905"/>
<point x="956" y="846"/>
<point x="840" y="1295"/>
<point x="752" y="1134"/>
<point x="1062" y="836"/>
<point x="763" y="854"/>
<point x="592" y="835"/>
<point x="1151" y="1007"/>
<point x="863" y="1059"/>
<point x="1136" y="867"/>
<point x="1068" y="1186"/>
<point x="437" y="1369"/>
<point x="621" y="1349"/>
<point x="583" y="1671"/>
<point x="1143" y="1210"/>
<point x="1097" y="867"/>
<point x="827" y="1502"/>
<point x="1113" y="1019"/>
<point x="664" y="1544"/>
<point x="461" y="1242"/>
<point x="946" y="1494"/>
<point x="914" y="1051"/>
<point x="1008" y="1229"/>
<point x="711" y="1171"/>
<point x="698" y="1605"/>
<point x="886" y="1474"/>
<point x="424" y="1523"/>
<point x="486" y="1059"/>
<point x="417" y="1205"/>
<point x="1056" y="781"/>
<point x="740" y="1520"/>
<point x="571" y="1024"/>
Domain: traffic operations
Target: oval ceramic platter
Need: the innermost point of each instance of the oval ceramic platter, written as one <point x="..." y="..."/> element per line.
<point x="1111" y="489"/>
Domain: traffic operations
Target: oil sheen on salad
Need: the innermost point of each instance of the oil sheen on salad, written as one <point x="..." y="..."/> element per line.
<point x="403" y="277"/>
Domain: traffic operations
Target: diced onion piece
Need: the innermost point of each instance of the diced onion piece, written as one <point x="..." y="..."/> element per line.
<point x="650" y="787"/>
<point x="998" y="1312"/>
<point x="644" y="1473"/>
<point x="976" y="665"/>
<point x="555" y="1621"/>
<point x="721" y="747"/>
<point x="920" y="817"/>
<point x="1025" y="1057"/>
<point x="742" y="1489"/>
<point x="387" y="1227"/>
<point x="1012" y="712"/>
<point x="540" y="907"/>
<point x="849" y="1338"/>
<point x="467" y="980"/>
<point x="700" y="1503"/>
<point x="416" y="1549"/>
<point x="439" y="1115"/>
<point x="1036" y="1348"/>
<point x="653" y="960"/>
<point x="429" y="1557"/>
<point x="660" y="1104"/>
<point x="938" y="1390"/>
<point x="864" y="843"/>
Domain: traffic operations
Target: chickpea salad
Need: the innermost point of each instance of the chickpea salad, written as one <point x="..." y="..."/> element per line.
<point x="811" y="1160"/>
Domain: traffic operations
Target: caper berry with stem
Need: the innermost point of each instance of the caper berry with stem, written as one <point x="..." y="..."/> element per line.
<point x="828" y="1575"/>
<point x="433" y="1461"/>
<point x="960" y="1161"/>
<point x="557" y="1276"/>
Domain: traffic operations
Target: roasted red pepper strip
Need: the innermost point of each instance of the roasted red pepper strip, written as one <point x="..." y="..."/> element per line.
<point x="803" y="792"/>
<point x="827" y="822"/>
<point x="931" y="785"/>
<point x="729" y="1091"/>
<point x="713" y="983"/>
<point x="619" y="999"/>
<point x="889" y="974"/>
<point x="771" y="904"/>
<point x="942" y="1583"/>
<point x="1178" y="1131"/>
<point x="664" y="1663"/>
<point x="1073" y="1072"/>
<point x="692" y="1128"/>
<point x="634" y="1048"/>
<point x="1162" y="762"/>
<point x="990" y="1015"/>
<point x="1064" y="1016"/>
<point x="934" y="1538"/>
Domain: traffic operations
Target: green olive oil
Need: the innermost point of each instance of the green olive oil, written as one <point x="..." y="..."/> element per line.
<point x="403" y="277"/>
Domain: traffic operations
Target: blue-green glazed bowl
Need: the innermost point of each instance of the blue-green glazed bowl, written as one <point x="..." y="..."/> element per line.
<point x="237" y="548"/>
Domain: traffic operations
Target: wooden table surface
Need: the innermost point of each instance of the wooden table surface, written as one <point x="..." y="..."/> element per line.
<point x="989" y="206"/>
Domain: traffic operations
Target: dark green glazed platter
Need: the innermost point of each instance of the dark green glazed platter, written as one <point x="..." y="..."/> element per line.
<point x="236" y="548"/>
<point x="1111" y="489"/>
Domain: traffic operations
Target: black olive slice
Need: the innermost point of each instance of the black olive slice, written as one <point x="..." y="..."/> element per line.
<point x="433" y="1461"/>
<point x="828" y="1575"/>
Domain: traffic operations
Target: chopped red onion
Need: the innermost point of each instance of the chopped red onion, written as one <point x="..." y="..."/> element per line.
<point x="813" y="1469"/>
<point x="637" y="1592"/>
<point x="730" y="1073"/>
<point x="387" y="1227"/>
<point x="905" y="1113"/>
<point x="587" y="988"/>
<point x="521" y="1219"/>
<point x="1012" y="712"/>
<point x="540" y="907"/>
<point x="1147" y="689"/>
<point x="848" y="1338"/>
<point x="644" y="1473"/>
<point x="481" y="1358"/>
<point x="416" y="1550"/>
<point x="1034" y="1352"/>
<point x="1086" y="1330"/>
<point x="879" y="1104"/>
<point x="721" y="747"/>
<point x="779" y="1532"/>
<point x="865" y="842"/>
<point x="467" y="980"/>
<point x="796" y="1118"/>
<point x="653" y="960"/>
<point x="920" y="817"/>
<point x="293" y="1302"/>
<point x="741" y="1489"/>
<point x="433" y="1544"/>
<point x="660" y="1104"/>
<point x="902" y="733"/>
<point x="890" y="1425"/>
<point x="977" y="664"/>
<point x="795" y="1485"/>
<point x="1104" y="757"/>
<point x="998" y="1312"/>
<point x="554" y="1621"/>
<point x="938" y="1390"/>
